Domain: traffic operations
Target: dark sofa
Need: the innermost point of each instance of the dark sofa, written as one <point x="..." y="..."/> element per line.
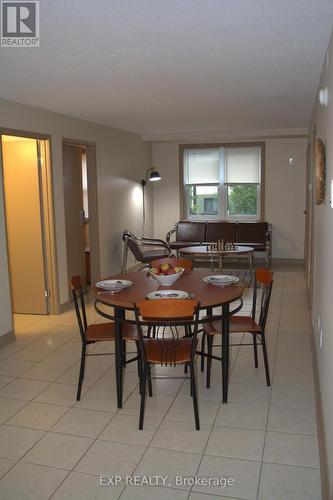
<point x="254" y="234"/>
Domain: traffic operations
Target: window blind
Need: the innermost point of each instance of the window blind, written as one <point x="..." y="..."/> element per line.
<point x="242" y="165"/>
<point x="202" y="166"/>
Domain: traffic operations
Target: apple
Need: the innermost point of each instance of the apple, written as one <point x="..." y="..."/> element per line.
<point x="178" y="269"/>
<point x="171" y="271"/>
<point x="164" y="267"/>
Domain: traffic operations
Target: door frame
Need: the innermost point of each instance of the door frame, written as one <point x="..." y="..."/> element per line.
<point x="47" y="215"/>
<point x="92" y="202"/>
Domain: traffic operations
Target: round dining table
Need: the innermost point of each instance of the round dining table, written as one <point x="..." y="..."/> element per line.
<point x="142" y="283"/>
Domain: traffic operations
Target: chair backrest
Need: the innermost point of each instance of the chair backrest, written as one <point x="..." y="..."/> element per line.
<point x="80" y="309"/>
<point x="168" y="316"/>
<point x="186" y="264"/>
<point x="264" y="283"/>
<point x="132" y="243"/>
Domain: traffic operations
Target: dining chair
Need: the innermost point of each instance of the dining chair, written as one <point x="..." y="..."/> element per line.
<point x="143" y="249"/>
<point x="174" y="261"/>
<point x="262" y="291"/>
<point x="169" y="347"/>
<point x="99" y="332"/>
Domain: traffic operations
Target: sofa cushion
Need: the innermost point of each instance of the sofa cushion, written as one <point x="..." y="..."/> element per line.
<point x="258" y="247"/>
<point x="254" y="232"/>
<point x="191" y="231"/>
<point x="221" y="231"/>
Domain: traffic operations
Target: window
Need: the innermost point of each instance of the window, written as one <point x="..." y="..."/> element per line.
<point x="223" y="182"/>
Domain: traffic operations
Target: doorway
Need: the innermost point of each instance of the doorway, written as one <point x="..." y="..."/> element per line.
<point x="80" y="192"/>
<point x="28" y="214"/>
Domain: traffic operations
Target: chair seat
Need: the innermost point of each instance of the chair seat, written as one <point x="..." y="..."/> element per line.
<point x="106" y="331"/>
<point x="237" y="324"/>
<point x="168" y="351"/>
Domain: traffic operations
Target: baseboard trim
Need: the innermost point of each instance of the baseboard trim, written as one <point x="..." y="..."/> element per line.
<point x="324" y="471"/>
<point x="7" y="338"/>
<point x="288" y="261"/>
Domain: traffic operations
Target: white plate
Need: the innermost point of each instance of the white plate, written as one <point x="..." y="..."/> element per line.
<point x="221" y="279"/>
<point x="168" y="294"/>
<point x="114" y="284"/>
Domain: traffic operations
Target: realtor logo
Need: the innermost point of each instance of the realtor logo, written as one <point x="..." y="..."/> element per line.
<point x="20" y="23"/>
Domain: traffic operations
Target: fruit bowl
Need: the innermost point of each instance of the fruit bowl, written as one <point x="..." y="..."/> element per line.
<point x="166" y="279"/>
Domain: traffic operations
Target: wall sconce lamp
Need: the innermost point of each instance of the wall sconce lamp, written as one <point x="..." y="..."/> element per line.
<point x="152" y="175"/>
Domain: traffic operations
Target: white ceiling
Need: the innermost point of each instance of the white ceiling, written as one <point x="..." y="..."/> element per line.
<point x="169" y="66"/>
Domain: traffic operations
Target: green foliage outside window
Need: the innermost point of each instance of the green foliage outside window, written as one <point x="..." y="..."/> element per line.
<point x="242" y="199"/>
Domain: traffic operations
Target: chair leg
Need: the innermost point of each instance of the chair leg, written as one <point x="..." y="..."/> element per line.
<point x="202" y="361"/>
<point x="143" y="397"/>
<point x="255" y="350"/>
<point x="264" y="351"/>
<point x="124" y="353"/>
<point x="81" y="375"/>
<point x="194" y="398"/>
<point x="210" y="340"/>
<point x="150" y="387"/>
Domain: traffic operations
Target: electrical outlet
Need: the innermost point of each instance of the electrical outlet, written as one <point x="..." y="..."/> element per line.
<point x="321" y="339"/>
<point x="318" y="323"/>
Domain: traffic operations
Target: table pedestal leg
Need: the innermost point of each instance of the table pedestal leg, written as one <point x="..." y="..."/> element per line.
<point x="220" y="262"/>
<point x="225" y="352"/>
<point x="119" y="315"/>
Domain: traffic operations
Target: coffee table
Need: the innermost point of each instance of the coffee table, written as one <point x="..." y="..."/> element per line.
<point x="204" y="250"/>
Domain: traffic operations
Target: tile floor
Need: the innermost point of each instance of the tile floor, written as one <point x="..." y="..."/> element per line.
<point x="265" y="439"/>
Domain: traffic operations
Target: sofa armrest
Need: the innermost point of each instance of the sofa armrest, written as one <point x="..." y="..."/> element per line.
<point x="153" y="242"/>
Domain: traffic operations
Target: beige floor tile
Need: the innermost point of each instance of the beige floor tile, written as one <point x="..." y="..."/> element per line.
<point x="236" y="443"/>
<point x="281" y="482"/>
<point x="81" y="422"/>
<point x="291" y="449"/>
<point x="14" y="367"/>
<point x="105" y="457"/>
<point x="8" y="408"/>
<point x="125" y="429"/>
<point x="203" y="496"/>
<point x="31" y="354"/>
<point x="38" y="416"/>
<point x="44" y="370"/>
<point x="52" y="340"/>
<point x="98" y="399"/>
<point x="182" y="409"/>
<point x="58" y="450"/>
<point x="67" y="358"/>
<point x="16" y="441"/>
<point x="23" y="389"/>
<point x="71" y="376"/>
<point x="86" y="487"/>
<point x="243" y="416"/>
<point x="293" y="378"/>
<point x="245" y="474"/>
<point x="5" y="380"/>
<point x="293" y="397"/>
<point x="29" y="481"/>
<point x="249" y="394"/>
<point x="292" y="420"/>
<point x="5" y="465"/>
<point x="154" y="492"/>
<point x="156" y="407"/>
<point x="174" y="435"/>
<point x="58" y="394"/>
<point x="295" y="362"/>
<point x="169" y="463"/>
<point x="248" y="374"/>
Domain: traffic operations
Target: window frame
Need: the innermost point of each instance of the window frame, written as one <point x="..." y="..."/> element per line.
<point x="222" y="188"/>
